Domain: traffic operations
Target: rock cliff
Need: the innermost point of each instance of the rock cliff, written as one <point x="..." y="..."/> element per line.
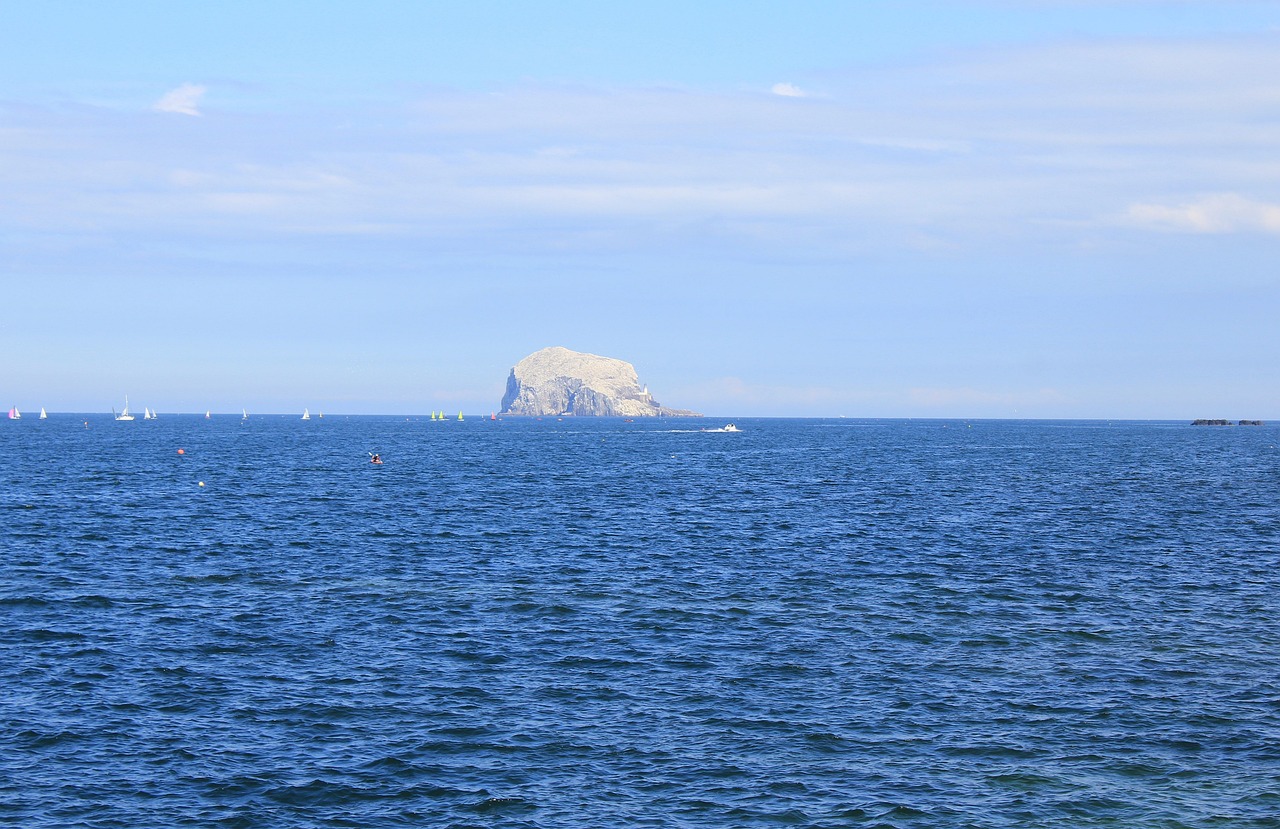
<point x="557" y="381"/>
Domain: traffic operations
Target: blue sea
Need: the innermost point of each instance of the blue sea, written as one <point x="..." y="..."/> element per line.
<point x="597" y="623"/>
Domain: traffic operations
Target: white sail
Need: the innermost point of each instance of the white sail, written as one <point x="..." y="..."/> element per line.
<point x="306" y="414"/>
<point x="43" y="414"/>
<point x="124" y="414"/>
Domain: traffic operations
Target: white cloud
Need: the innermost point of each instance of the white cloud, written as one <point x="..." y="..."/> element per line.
<point x="185" y="100"/>
<point x="1221" y="213"/>
<point x="1030" y="144"/>
<point x="788" y="90"/>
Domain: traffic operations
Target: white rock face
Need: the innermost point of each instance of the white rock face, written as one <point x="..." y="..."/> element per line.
<point x="557" y="381"/>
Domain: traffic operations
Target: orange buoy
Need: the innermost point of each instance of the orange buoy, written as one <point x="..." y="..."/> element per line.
<point x="182" y="452"/>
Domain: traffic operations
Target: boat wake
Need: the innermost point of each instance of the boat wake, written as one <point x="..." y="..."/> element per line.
<point x="728" y="427"/>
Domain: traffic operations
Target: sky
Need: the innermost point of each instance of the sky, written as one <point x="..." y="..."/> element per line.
<point x="885" y="208"/>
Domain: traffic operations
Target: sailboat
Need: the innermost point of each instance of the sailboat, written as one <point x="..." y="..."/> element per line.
<point x="124" y="415"/>
<point x="459" y="415"/>
<point x="146" y="414"/>
<point x="244" y="414"/>
<point x="206" y="414"/>
<point x="306" y="414"/>
<point x="43" y="414"/>
<point x="14" y="414"/>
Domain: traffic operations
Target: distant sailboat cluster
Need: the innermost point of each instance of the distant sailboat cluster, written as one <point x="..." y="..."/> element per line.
<point x="148" y="413"/>
<point x="14" y="414"/>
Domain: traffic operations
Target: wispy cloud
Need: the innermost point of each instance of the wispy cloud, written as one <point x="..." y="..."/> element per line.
<point x="1036" y="143"/>
<point x="185" y="100"/>
<point x="788" y="90"/>
<point x="1221" y="213"/>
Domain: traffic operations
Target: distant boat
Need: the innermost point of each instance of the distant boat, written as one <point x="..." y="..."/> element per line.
<point x="146" y="414"/>
<point x="320" y="415"/>
<point x="124" y="414"/>
<point x="306" y="414"/>
<point x="206" y="414"/>
<point x="492" y="416"/>
<point x="729" y="427"/>
<point x="43" y="414"/>
<point x="14" y="414"/>
<point x="244" y="414"/>
<point x="459" y="415"/>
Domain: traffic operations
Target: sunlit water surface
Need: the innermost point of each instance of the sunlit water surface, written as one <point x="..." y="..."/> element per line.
<point x="595" y="623"/>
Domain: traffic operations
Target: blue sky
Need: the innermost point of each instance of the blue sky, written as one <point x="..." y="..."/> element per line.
<point x="900" y="209"/>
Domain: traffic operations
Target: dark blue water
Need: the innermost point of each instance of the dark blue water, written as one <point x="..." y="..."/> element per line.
<point x="594" y="623"/>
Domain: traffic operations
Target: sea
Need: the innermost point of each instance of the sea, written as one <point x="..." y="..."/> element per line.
<point x="567" y="623"/>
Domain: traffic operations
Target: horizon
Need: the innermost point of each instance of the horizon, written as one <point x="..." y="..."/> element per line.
<point x="485" y="415"/>
<point x="978" y="209"/>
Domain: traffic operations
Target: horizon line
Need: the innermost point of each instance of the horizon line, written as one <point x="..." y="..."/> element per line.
<point x="644" y="418"/>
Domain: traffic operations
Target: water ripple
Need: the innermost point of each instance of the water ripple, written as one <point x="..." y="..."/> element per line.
<point x="598" y="624"/>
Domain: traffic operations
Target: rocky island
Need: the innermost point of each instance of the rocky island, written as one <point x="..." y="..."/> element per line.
<point x="557" y="381"/>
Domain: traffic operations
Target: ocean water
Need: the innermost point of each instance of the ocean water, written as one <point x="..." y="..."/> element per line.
<point x="594" y="623"/>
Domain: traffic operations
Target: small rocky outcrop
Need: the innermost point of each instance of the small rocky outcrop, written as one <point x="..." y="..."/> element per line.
<point x="1207" y="422"/>
<point x="557" y="381"/>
